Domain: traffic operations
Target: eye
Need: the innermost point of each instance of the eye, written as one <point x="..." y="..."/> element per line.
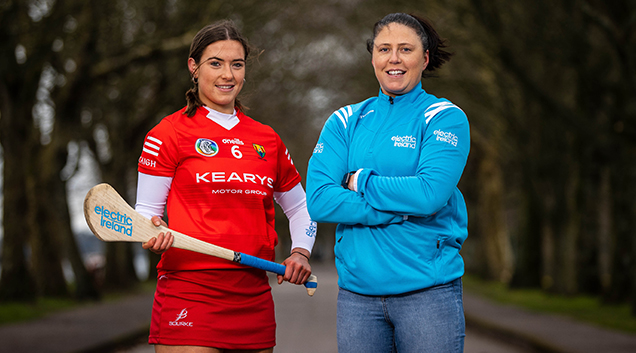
<point x="215" y="63"/>
<point x="238" y="65"/>
<point x="383" y="50"/>
<point x="407" y="50"/>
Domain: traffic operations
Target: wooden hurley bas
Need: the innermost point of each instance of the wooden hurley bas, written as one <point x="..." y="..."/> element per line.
<point x="110" y="218"/>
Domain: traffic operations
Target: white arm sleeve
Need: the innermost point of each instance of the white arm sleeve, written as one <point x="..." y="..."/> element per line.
<point x="301" y="227"/>
<point x="152" y="193"/>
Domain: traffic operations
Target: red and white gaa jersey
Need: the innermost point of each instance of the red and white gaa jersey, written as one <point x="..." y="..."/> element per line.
<point x="222" y="187"/>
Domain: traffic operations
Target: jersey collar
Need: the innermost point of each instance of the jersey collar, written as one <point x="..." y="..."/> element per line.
<point x="227" y="121"/>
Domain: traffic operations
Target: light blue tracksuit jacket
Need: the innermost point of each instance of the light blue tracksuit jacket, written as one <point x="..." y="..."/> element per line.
<point x="403" y="229"/>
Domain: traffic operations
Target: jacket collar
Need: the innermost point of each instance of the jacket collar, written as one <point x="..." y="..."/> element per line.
<point x="406" y="98"/>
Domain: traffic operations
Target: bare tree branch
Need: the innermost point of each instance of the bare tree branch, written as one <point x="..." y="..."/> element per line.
<point x="139" y="53"/>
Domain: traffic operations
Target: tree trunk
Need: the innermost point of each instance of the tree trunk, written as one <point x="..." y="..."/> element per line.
<point x="492" y="226"/>
<point x="119" y="271"/>
<point x="605" y="239"/>
<point x="621" y="277"/>
<point x="528" y="264"/>
<point x="632" y="231"/>
<point x="45" y="243"/>
<point x="16" y="282"/>
<point x="85" y="283"/>
<point x="548" y="250"/>
<point x="567" y="268"/>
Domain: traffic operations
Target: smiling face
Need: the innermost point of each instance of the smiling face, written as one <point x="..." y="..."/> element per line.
<point x="398" y="59"/>
<point x="220" y="74"/>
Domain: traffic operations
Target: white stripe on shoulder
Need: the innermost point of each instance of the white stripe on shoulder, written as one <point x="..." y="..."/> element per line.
<point x="150" y="152"/>
<point x="156" y="140"/>
<point x="433" y="109"/>
<point x="343" y="114"/>
<point x="437" y="104"/>
<point x="344" y="122"/>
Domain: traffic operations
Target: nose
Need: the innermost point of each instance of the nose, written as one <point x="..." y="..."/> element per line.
<point x="227" y="73"/>
<point x="395" y="57"/>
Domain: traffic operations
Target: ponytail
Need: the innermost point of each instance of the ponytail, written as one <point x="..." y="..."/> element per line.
<point x="193" y="100"/>
<point x="437" y="55"/>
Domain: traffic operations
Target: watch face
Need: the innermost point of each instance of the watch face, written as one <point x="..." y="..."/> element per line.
<point x="345" y="179"/>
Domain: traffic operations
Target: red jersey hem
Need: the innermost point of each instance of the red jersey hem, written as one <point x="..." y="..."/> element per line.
<point x="209" y="343"/>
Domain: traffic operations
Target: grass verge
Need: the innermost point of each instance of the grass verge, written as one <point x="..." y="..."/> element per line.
<point x="15" y="312"/>
<point x="580" y="307"/>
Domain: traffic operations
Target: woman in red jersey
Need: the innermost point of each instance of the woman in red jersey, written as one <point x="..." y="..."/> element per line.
<point x="219" y="172"/>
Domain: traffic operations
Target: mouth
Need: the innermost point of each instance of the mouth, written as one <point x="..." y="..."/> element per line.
<point x="396" y="72"/>
<point x="225" y="88"/>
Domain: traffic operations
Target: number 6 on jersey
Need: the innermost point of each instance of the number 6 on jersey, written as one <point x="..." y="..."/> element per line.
<point x="236" y="152"/>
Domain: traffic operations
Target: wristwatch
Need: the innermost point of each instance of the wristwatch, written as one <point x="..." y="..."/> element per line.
<point x="346" y="178"/>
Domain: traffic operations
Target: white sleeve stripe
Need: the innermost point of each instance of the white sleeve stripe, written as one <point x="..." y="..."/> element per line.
<point x="344" y="113"/>
<point x="150" y="152"/>
<point x="341" y="119"/>
<point x="155" y="140"/>
<point x="438" y="104"/>
<point x="430" y="114"/>
<point x="150" y="145"/>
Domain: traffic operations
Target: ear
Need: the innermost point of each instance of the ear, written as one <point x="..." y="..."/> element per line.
<point x="192" y="65"/>
<point x="426" y="60"/>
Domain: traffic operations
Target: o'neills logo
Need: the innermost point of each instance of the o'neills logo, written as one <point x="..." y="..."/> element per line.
<point x="116" y="221"/>
<point x="234" y="141"/>
<point x="182" y="315"/>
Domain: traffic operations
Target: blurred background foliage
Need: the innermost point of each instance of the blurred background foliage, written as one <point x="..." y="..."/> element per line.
<point x="549" y="88"/>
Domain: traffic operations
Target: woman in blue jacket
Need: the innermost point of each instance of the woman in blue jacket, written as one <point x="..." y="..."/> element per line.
<point x="386" y="170"/>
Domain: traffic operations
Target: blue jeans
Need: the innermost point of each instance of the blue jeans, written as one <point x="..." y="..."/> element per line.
<point x="428" y="320"/>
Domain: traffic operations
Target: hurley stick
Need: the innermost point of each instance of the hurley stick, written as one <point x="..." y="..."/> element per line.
<point x="110" y="218"/>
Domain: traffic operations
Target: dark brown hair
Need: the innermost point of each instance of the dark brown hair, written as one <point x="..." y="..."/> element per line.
<point x="431" y="41"/>
<point x="221" y="30"/>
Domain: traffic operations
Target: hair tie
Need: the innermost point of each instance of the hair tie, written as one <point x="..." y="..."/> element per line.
<point x="301" y="254"/>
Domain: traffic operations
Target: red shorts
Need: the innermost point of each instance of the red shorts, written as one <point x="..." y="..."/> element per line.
<point x="226" y="309"/>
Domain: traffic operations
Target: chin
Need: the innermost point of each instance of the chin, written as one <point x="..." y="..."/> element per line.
<point x="396" y="92"/>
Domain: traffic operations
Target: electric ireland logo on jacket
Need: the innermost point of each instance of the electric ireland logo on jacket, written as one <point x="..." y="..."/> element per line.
<point x="404" y="141"/>
<point x="116" y="221"/>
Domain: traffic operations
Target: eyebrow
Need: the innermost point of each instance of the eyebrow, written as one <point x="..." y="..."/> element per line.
<point x="405" y="43"/>
<point x="219" y="59"/>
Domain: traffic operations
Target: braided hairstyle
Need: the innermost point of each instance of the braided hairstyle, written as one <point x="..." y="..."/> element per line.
<point x="218" y="31"/>
<point x="431" y="41"/>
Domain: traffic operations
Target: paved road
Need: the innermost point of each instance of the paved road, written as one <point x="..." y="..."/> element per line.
<point x="308" y="324"/>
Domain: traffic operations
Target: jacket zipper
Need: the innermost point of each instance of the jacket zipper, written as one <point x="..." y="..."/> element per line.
<point x="386" y="118"/>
